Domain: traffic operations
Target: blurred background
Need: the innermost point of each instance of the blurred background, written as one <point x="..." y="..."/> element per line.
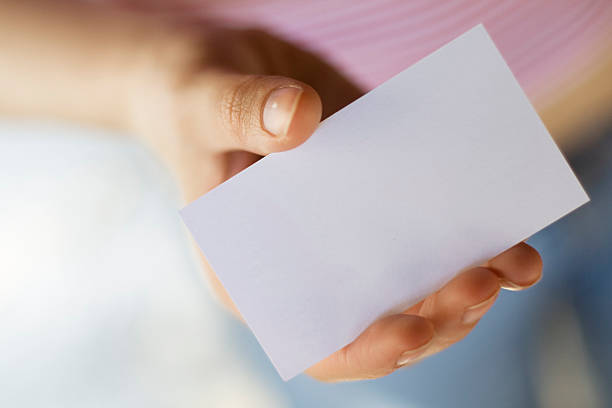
<point x="103" y="302"/>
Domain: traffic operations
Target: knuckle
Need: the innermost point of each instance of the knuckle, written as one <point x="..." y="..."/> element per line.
<point x="481" y="276"/>
<point x="477" y="284"/>
<point x="236" y="108"/>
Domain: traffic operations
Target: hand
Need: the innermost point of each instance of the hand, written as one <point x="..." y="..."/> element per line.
<point x="239" y="95"/>
<point x="229" y="97"/>
<point x="432" y="325"/>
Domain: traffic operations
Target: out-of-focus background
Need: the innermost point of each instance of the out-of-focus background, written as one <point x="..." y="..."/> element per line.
<point x="102" y="301"/>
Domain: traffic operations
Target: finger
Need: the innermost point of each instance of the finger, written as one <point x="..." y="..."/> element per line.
<point x="518" y="268"/>
<point x="386" y="345"/>
<point x="459" y="305"/>
<point x="255" y="113"/>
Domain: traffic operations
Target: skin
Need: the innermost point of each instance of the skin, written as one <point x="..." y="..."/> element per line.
<point x="195" y="94"/>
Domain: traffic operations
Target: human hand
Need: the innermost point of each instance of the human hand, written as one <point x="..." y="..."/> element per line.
<point x="224" y="98"/>
<point x="238" y="95"/>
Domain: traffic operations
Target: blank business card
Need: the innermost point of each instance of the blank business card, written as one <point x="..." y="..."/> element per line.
<point x="440" y="168"/>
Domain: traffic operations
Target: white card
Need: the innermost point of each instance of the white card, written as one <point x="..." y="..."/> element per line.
<point x="440" y="168"/>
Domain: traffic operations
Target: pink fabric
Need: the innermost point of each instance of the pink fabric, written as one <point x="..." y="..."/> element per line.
<point x="547" y="43"/>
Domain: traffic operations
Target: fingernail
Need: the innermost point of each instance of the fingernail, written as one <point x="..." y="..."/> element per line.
<point x="506" y="284"/>
<point x="474" y="313"/>
<point x="280" y="108"/>
<point x="412" y="355"/>
<point x="510" y="285"/>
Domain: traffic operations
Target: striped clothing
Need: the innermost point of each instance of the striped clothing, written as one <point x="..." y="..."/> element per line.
<point x="548" y="44"/>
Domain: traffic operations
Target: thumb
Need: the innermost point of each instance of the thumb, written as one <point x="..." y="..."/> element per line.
<point x="259" y="114"/>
